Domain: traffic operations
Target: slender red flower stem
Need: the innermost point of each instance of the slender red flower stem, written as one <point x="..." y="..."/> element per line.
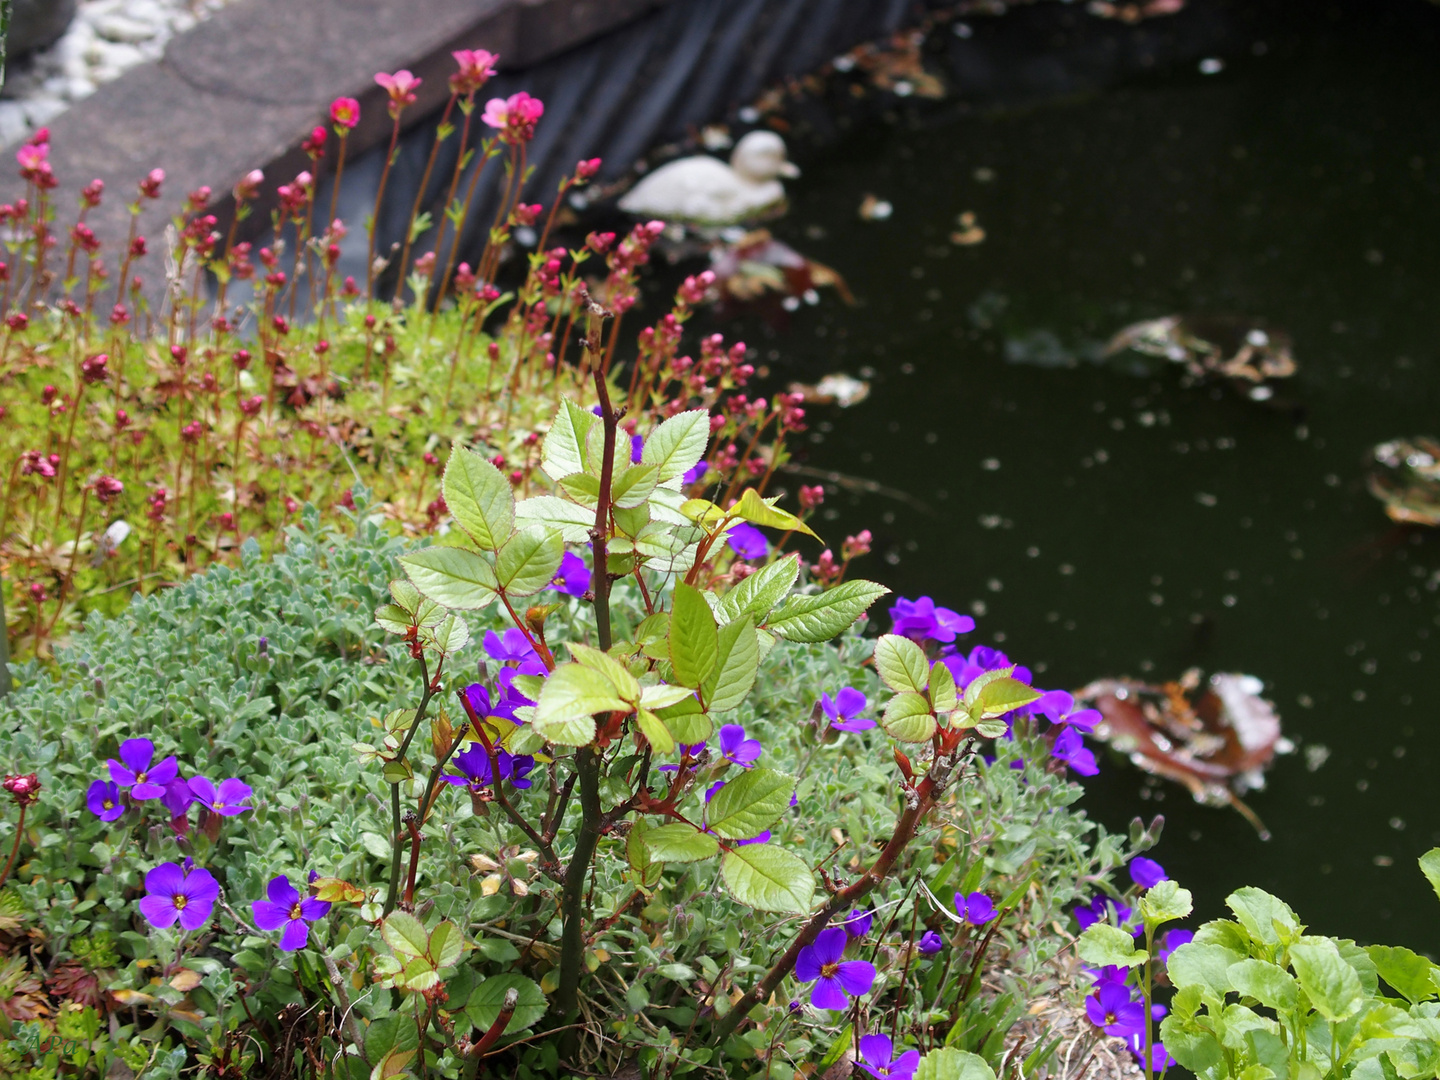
<point x="375" y="214"/>
<point x="15" y="848"/>
<point x="419" y="197"/>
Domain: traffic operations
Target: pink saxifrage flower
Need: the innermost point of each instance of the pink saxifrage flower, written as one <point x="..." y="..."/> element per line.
<point x="514" y="117"/>
<point x="401" y="88"/>
<point x="344" y="114"/>
<point x="476" y="68"/>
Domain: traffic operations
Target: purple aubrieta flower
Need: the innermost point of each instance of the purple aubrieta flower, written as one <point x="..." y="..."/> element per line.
<point x="700" y="469"/>
<point x="876" y="1059"/>
<point x="921" y="619"/>
<point x="1108" y="973"/>
<point x="286" y="908"/>
<point x="1058" y="707"/>
<point x="736" y="748"/>
<point x="473" y="767"/>
<point x="227" y="800"/>
<point x="857" y="923"/>
<point x="1113" y="1009"/>
<point x="508" y="647"/>
<point x="177" y="797"/>
<point x="1070" y="748"/>
<point x="134" y="771"/>
<point x="712" y="789"/>
<point x="763" y="838"/>
<point x="187" y="894"/>
<point x="637" y="448"/>
<point x="976" y="909"/>
<point x="478" y="698"/>
<point x="1160" y="1058"/>
<point x="834" y="977"/>
<point x="747" y="541"/>
<point x="845" y="708"/>
<point x="930" y="943"/>
<point x="1147" y="873"/>
<point x="980" y="659"/>
<point x="103" y="799"/>
<point x="1102" y="908"/>
<point x="692" y="751"/>
<point x="1173" y="940"/>
<point x="573" y="577"/>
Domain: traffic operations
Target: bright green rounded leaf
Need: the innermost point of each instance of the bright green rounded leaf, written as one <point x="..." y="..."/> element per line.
<point x="479" y="497"/>
<point x="758" y="511"/>
<point x="943" y="696"/>
<point x="1430" y="867"/>
<point x="822" y="616"/>
<point x="1263" y="916"/>
<point x="1164" y="903"/>
<point x="680" y="842"/>
<point x="1329" y="982"/>
<point x="552" y="512"/>
<point x="528" y="561"/>
<point x="1003" y="696"/>
<point x="768" y="878"/>
<point x="902" y="664"/>
<point x="452" y="576"/>
<point x="607" y="665"/>
<point x="563" y="451"/>
<point x="948" y="1063"/>
<point x="907" y="718"/>
<point x="1413" y="976"/>
<point x="1272" y="986"/>
<point x="749" y="804"/>
<point x="1103" y="945"/>
<point x="634" y="486"/>
<point x="485" y="1002"/>
<point x="1203" y="965"/>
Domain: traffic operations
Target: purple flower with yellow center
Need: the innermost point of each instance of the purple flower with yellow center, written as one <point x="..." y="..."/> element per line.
<point x="747" y="541"/>
<point x="823" y="963"/>
<point x="227" y="800"/>
<point x="573" y="577"/>
<point x="1113" y="1009"/>
<point x="736" y="748"/>
<point x="1147" y="873"/>
<point x="1070" y="748"/>
<point x="930" y="943"/>
<point x="877" y="1058"/>
<point x="185" y="893"/>
<point x="976" y="909"/>
<point x="512" y="646"/>
<point x="135" y="772"/>
<point x="844" y="710"/>
<point x="857" y="923"/>
<point x="103" y="799"/>
<point x="473" y="768"/>
<point x="288" y="909"/>
<point x="921" y="619"/>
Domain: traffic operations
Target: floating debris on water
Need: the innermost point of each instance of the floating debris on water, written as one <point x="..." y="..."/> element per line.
<point x="1243" y="351"/>
<point x="1216" y="737"/>
<point x="874" y="208"/>
<point x="756" y="263"/>
<point x="969" y="233"/>
<point x="837" y="389"/>
<point x="1407" y="480"/>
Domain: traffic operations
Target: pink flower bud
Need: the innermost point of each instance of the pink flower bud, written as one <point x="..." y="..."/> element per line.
<point x="108" y="489"/>
<point x="93" y="369"/>
<point x="17" y="320"/>
<point x="150" y="186"/>
<point x="249" y="186"/>
<point x="586" y="170"/>
<point x="92" y="192"/>
<point x="26" y="789"/>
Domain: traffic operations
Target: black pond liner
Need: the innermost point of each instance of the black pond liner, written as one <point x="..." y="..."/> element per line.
<point x="661" y="78"/>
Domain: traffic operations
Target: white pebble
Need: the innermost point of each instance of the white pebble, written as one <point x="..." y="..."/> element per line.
<point x="119" y="27"/>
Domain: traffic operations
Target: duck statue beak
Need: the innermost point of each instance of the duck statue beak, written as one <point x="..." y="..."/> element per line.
<point x="789" y="170"/>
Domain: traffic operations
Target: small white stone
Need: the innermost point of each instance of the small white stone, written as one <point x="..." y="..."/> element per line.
<point x="79" y="88"/>
<point x="13" y="127"/>
<point x="117" y="27"/>
<point x="182" y="21"/>
<point x="40" y="110"/>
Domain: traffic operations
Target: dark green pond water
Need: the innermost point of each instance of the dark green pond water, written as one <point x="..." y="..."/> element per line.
<point x="1100" y="522"/>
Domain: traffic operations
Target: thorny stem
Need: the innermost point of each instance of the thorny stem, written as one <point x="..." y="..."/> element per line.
<point x="918" y="802"/>
<point x="587" y="759"/>
<point x="399" y="836"/>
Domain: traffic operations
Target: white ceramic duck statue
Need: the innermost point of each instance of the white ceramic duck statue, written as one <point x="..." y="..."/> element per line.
<point x="703" y="190"/>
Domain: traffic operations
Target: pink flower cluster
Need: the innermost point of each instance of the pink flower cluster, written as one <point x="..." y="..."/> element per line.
<point x="514" y="117"/>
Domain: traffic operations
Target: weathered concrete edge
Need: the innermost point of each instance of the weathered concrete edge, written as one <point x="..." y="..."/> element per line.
<point x="156" y="114"/>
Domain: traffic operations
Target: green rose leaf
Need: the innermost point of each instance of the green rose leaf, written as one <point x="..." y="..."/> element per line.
<point x="405" y="934"/>
<point x="618" y="674"/>
<point x="822" y="616"/>
<point x="634" y="486"/>
<point x="572" y="695"/>
<point x="483" y="1008"/>
<point x="687" y="721"/>
<point x="563" y="451"/>
<point x="768" y="878"/>
<point x="446" y="944"/>
<point x="1103" y="945"/>
<point x="761" y="591"/>
<point x="749" y="804"/>
<point x="758" y="511"/>
<point x="907" y="718"/>
<point x="680" y="842"/>
<point x="663" y="695"/>
<point x="737" y="659"/>
<point x="902" y="664"/>
<point x="452" y="576"/>
<point x="694" y="640"/>
<point x="654" y="729"/>
<point x="677" y="445"/>
<point x="548" y="511"/>
<point x="528" y="561"/>
<point x="1329" y="982"/>
<point x="479" y="498"/>
<point x="943" y="697"/>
